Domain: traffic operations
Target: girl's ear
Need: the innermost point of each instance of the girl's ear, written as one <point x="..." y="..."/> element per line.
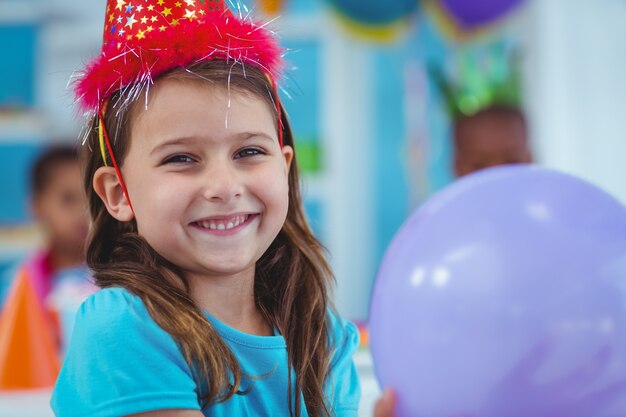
<point x="288" y="154"/>
<point x="108" y="187"/>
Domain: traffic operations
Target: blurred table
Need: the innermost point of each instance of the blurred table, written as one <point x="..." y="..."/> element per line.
<point x="370" y="391"/>
<point x="35" y="403"/>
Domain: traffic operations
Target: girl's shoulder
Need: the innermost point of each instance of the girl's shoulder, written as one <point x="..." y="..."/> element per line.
<point x="111" y="298"/>
<point x="342" y="386"/>
<point x="130" y="363"/>
<point x="342" y="331"/>
<point x="112" y="305"/>
<point x="116" y="313"/>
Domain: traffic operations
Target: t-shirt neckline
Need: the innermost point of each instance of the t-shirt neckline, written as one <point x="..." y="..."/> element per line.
<point x="277" y="341"/>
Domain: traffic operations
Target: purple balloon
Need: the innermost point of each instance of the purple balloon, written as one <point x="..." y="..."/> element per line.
<point x="473" y="13"/>
<point x="505" y="296"/>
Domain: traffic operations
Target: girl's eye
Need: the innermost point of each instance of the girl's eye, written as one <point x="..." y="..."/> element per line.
<point x="249" y="152"/>
<point x="179" y="159"/>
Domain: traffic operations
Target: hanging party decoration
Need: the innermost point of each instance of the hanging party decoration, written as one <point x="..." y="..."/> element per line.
<point x="461" y="19"/>
<point x="375" y="20"/>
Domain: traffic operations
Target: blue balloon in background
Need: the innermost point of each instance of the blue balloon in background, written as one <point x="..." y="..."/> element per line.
<point x="505" y="296"/>
<point x="375" y="12"/>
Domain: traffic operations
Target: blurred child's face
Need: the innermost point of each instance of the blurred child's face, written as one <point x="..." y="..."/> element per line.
<point x="61" y="208"/>
<point x="208" y="182"/>
<point x="488" y="140"/>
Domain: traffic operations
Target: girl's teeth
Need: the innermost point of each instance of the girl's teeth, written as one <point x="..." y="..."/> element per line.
<point x="223" y="226"/>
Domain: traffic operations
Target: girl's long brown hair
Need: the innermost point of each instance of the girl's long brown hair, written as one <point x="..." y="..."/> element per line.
<point x="292" y="277"/>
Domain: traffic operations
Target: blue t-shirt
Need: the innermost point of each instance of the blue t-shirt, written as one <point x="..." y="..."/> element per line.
<point x="121" y="362"/>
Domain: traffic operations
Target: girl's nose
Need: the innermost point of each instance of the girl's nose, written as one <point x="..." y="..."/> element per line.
<point x="222" y="182"/>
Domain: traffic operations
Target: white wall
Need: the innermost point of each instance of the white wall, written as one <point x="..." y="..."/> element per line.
<point x="71" y="37"/>
<point x="576" y="78"/>
<point x="347" y="131"/>
<point x="345" y="184"/>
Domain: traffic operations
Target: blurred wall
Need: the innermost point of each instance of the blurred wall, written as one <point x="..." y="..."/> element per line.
<point x="376" y="135"/>
<point x="576" y="88"/>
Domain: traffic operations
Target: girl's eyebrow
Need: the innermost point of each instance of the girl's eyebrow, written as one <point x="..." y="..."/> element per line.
<point x="172" y="142"/>
<point x="243" y="136"/>
<point x="251" y="135"/>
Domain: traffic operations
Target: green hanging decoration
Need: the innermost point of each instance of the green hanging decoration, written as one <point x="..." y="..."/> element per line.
<point x="482" y="78"/>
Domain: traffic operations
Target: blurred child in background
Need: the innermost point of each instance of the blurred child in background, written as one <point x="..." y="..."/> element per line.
<point x="58" y="206"/>
<point x="52" y="280"/>
<point x="495" y="135"/>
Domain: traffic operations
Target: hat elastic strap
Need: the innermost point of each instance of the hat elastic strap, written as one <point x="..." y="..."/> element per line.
<point x="104" y="138"/>
<point x="280" y="118"/>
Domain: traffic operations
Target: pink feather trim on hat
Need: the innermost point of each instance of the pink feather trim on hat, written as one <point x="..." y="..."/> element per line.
<point x="145" y="38"/>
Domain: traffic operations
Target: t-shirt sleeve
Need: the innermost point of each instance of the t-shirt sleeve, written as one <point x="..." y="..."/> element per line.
<point x="344" y="391"/>
<point x="121" y="362"/>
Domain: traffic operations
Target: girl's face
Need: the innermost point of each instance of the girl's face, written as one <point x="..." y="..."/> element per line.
<point x="207" y="180"/>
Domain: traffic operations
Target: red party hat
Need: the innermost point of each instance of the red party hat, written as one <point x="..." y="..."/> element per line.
<point x="145" y="38"/>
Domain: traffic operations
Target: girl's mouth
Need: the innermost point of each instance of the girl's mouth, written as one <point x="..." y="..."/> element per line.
<point x="226" y="223"/>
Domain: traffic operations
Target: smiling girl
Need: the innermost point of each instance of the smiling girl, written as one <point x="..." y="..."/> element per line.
<point x="215" y="292"/>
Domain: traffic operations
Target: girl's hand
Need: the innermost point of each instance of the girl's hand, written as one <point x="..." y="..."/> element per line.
<point x="385" y="405"/>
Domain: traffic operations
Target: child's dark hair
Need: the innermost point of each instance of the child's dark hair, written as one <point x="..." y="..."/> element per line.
<point x="495" y="110"/>
<point x="47" y="161"/>
<point x="291" y="279"/>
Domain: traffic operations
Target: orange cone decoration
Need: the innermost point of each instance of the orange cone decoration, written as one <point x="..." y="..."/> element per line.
<point x="28" y="352"/>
